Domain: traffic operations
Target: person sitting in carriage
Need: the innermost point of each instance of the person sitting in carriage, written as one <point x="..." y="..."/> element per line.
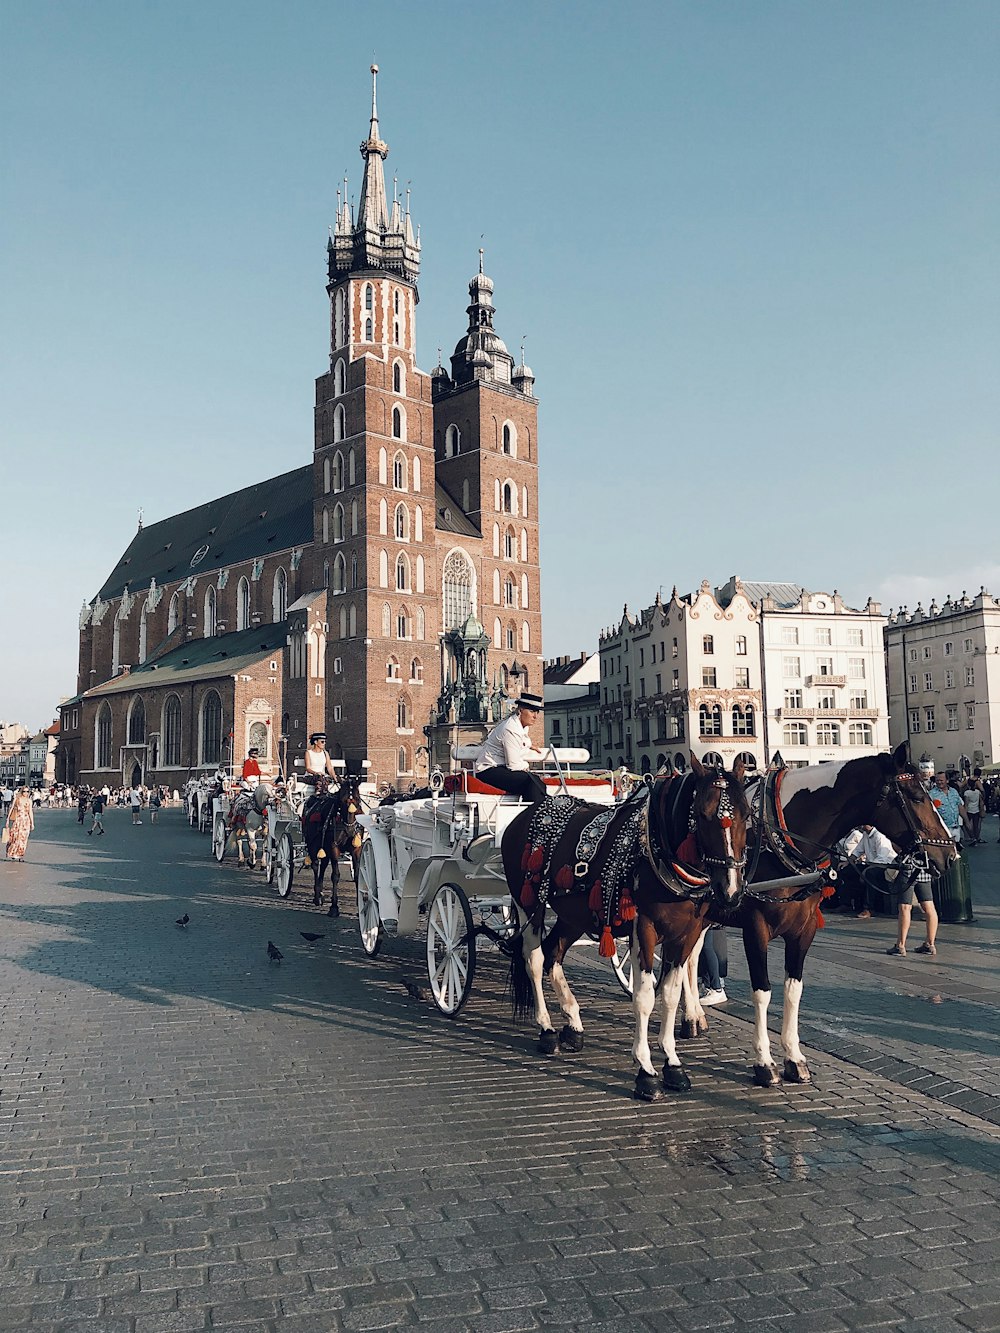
<point x="503" y="758"/>
<point x="251" y="768"/>
<point x="318" y="763"/>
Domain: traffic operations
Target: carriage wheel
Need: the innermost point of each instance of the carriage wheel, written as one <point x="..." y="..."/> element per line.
<point x="204" y="817"/>
<point x="622" y="963"/>
<point x="368" y="917"/>
<point x="269" y="857"/>
<point x="284" y="866"/>
<point x="451" y="948"/>
<point x="219" y="838"/>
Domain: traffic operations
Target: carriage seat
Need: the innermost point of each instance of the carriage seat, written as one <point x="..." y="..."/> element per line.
<point x="466" y="780"/>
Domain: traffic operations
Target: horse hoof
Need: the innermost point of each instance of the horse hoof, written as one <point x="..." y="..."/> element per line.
<point x="688" y="1029"/>
<point x="548" y="1042"/>
<point x="570" y="1040"/>
<point x="702" y="1023"/>
<point x="317" y="900"/>
<point x="334" y="910"/>
<point x="765" y="1076"/>
<point x="647" y="1088"/>
<point x="675" y="1079"/>
<point x="796" y="1072"/>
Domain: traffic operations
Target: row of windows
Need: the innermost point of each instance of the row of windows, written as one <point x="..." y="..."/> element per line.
<point x="165" y="749"/>
<point x="948" y="649"/>
<point x="791" y="667"/>
<point x="822" y="636"/>
<point x="925" y="719"/>
<point x="827" y="733"/>
<point x="507" y="541"/>
<point x="336" y="478"/>
<point x="710" y="721"/>
<point x="508" y="440"/>
<point x="949" y="679"/>
<point x="825" y="699"/>
<point x="210" y="614"/>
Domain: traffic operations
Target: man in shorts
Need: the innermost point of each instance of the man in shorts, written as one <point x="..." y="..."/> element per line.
<point x="918" y="890"/>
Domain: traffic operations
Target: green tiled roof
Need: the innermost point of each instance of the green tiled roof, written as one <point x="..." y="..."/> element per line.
<point x="201" y="659"/>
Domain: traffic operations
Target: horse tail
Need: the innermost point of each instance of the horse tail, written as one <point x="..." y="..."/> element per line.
<point x="519" y="987"/>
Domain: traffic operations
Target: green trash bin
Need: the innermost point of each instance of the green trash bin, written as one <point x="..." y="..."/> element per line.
<point x="953" y="893"/>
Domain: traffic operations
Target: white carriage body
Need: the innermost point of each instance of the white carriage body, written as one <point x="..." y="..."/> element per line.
<point x="454" y="838"/>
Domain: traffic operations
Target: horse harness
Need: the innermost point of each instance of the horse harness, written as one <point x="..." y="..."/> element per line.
<point x="576" y="847"/>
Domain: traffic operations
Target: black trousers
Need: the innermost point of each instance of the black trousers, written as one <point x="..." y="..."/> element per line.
<point x="516" y="782"/>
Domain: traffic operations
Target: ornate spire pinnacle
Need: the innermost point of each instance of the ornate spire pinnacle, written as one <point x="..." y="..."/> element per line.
<point x="379" y="235"/>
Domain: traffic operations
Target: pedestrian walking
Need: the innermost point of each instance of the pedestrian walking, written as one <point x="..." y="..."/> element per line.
<point x="136" y="799"/>
<point x="19" y="825"/>
<point x="154" y="805"/>
<point x="975" y="799"/>
<point x="97" y="805"/>
<point x="713" y="966"/>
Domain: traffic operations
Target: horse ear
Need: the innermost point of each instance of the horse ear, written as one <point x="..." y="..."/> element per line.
<point x="900" y="757"/>
<point x="697" y="767"/>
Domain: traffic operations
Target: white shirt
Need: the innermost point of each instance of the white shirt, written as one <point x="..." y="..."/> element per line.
<point x="320" y="763"/>
<point x="873" y="847"/>
<point x="972" y="797"/>
<point x="508" y="745"/>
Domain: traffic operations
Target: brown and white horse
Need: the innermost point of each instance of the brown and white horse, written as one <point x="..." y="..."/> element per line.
<point x="665" y="905"/>
<point x="812" y="809"/>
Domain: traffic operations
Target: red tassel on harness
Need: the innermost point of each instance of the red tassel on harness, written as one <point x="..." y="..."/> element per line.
<point x="526" y="852"/>
<point x="537" y="858"/>
<point x="828" y="891"/>
<point x="529" y="898"/>
<point x="820" y="919"/>
<point x="607" y="948"/>
<point x="596" y="900"/>
<point x="564" y="878"/>
<point x="628" y="912"/>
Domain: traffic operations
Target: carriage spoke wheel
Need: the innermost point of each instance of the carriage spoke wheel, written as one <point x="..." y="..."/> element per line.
<point x="284" y="866"/>
<point x="219" y="838"/>
<point x="269" y="859"/>
<point x="367" y="887"/>
<point x="451" y="948"/>
<point x="621" y="961"/>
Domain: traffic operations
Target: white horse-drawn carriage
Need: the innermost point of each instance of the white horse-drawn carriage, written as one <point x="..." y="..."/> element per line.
<point x="435" y="859"/>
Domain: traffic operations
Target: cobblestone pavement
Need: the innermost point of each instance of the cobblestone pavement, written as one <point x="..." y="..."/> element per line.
<point x="194" y="1138"/>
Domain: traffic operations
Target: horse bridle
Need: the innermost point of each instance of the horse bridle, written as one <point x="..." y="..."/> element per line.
<point x="724" y="814"/>
<point x="914" y="859"/>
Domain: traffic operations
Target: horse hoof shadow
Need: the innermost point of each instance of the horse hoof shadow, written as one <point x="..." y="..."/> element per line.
<point x="570" y="1040"/>
<point x="796" y="1072"/>
<point x="647" y="1088"/>
<point x="548" y="1042"/>
<point x="675" y="1079"/>
<point x="765" y="1076"/>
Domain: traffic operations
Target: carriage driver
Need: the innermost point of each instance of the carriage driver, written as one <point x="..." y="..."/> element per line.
<point x="251" y="768"/>
<point x="318" y="762"/>
<point x="503" y="759"/>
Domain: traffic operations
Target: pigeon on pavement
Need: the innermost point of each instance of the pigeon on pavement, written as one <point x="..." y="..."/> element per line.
<point x="273" y="952"/>
<point x="182" y="921"/>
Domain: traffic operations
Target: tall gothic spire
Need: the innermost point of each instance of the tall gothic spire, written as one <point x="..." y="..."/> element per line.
<point x="373" y="213"/>
<point x="374" y="239"/>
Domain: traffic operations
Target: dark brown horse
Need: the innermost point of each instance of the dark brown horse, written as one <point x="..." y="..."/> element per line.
<point x="800" y="815"/>
<point x="674" y="849"/>
<point x="330" y="829"/>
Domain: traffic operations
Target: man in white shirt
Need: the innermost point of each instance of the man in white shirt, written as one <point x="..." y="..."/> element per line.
<point x="869" y="851"/>
<point x="503" y="759"/>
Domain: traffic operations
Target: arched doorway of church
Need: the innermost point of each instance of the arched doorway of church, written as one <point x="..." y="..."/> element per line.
<point x="135" y="780"/>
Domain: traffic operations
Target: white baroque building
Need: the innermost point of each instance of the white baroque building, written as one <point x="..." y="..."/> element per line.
<point x="742" y="671"/>
<point x="943" y="667"/>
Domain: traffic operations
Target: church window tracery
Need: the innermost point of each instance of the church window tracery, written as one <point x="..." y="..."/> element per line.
<point x="211" y="728"/>
<point x="243" y="603"/>
<point x="102" y="737"/>
<point x="399" y="471"/>
<point x="279" y="596"/>
<point x="211" y="621"/>
<point x="171" y="730"/>
<point x="457" y="589"/>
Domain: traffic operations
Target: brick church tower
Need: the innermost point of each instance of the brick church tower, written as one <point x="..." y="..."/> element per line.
<point x="425" y="503"/>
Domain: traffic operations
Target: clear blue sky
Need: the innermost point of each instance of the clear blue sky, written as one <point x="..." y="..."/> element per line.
<point x="754" y="249"/>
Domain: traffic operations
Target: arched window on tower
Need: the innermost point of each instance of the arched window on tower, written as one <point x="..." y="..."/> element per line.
<point x="402" y="573"/>
<point x="338" y="471"/>
<point x="102" y="737"/>
<point x="369" y="331"/>
<point x="339" y="431"/>
<point x="509" y="439"/>
<point x="338" y="522"/>
<point x="416" y="474"/>
<point x="399" y="471"/>
<point x="351" y="468"/>
<point x="456" y="590"/>
<point x="383" y="466"/>
<point x="338" y="378"/>
<point x="452" y="442"/>
<point x="369" y="296"/>
<point x="173" y="613"/>
<point x="339" y="573"/>
<point x="398" y="382"/>
<point x="401" y="523"/>
<point x="510" y="544"/>
<point x="326" y="476"/>
<point x="354" y="518"/>
<point x="143" y="632"/>
<point x="418" y="523"/>
<point x="398" y="424"/>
